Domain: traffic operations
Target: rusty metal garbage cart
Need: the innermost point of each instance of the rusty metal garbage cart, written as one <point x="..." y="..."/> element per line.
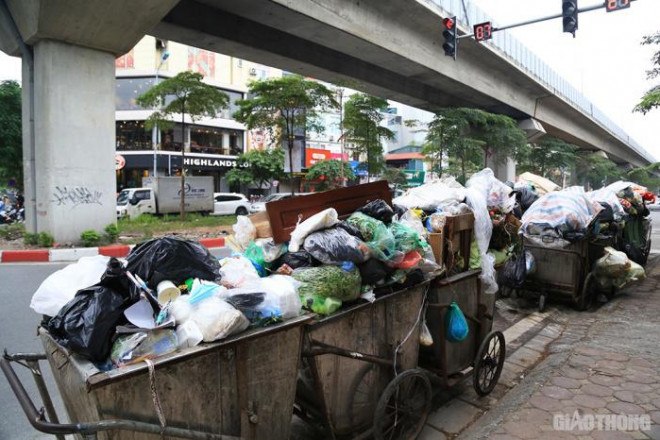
<point x="482" y="353"/>
<point x="358" y="376"/>
<point x="239" y="388"/>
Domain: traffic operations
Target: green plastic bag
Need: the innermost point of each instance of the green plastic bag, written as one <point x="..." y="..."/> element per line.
<point x="377" y="236"/>
<point x="457" y="326"/>
<point x="405" y="238"/>
<point x="342" y="282"/>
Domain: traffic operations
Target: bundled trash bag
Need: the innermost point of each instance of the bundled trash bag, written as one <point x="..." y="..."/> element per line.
<point x="515" y="271"/>
<point x="86" y="324"/>
<point x="378" y="209"/>
<point x="355" y="232"/>
<point x="216" y="319"/>
<point x="378" y="237"/>
<point x="60" y="287"/>
<point x="405" y="238"/>
<point x="244" y="233"/>
<point x="318" y="221"/>
<point x="612" y="264"/>
<point x="342" y="283"/>
<point x="172" y="259"/>
<point x="457" y="326"/>
<point x="335" y="245"/>
<point x="138" y="347"/>
<point x="372" y="271"/>
<point x="273" y="298"/>
<point x="296" y="260"/>
<point x="237" y="271"/>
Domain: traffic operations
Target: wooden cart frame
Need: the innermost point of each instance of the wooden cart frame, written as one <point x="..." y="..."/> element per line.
<point x="358" y="376"/>
<point x="482" y="353"/>
<point x="240" y="388"/>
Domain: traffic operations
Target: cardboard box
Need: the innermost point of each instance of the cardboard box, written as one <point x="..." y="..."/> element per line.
<point x="261" y="221"/>
<point x="436" y="240"/>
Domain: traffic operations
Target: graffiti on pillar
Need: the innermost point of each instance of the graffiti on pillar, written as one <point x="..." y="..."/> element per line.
<point x="73" y="196"/>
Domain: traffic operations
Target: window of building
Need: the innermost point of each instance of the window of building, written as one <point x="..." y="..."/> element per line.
<point x="207" y="140"/>
<point x="127" y="91"/>
<point x="132" y="135"/>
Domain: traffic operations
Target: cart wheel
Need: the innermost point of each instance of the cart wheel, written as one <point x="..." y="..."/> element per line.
<point x="584" y="300"/>
<point x="488" y="363"/>
<point x="361" y="396"/>
<point x="403" y="407"/>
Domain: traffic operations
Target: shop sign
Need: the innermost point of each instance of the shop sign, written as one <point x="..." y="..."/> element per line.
<point x="210" y="162"/>
<point x="355" y="166"/>
<point x="414" y="176"/>
<point x="314" y="155"/>
<point x="120" y="161"/>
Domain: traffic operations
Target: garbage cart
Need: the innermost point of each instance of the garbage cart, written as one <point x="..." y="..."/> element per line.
<point x="239" y="388"/>
<point x="359" y="377"/>
<point x="482" y="353"/>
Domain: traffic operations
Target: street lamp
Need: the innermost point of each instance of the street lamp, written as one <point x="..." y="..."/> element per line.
<point x="155" y="135"/>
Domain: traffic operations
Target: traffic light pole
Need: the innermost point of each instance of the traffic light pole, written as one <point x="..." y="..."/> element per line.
<point x="537" y="20"/>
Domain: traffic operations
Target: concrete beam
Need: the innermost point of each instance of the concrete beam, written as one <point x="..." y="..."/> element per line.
<point x="388" y="48"/>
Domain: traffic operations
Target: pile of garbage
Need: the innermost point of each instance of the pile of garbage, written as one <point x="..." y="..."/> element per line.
<point x="171" y="293"/>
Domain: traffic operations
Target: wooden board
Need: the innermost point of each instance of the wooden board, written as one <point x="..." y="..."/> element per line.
<point x="351" y="387"/>
<point x="285" y="214"/>
<point x="244" y="387"/>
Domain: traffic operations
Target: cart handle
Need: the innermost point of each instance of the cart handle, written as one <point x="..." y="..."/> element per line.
<point x="38" y="422"/>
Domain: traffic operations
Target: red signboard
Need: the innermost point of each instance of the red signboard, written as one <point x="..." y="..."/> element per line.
<point x="314" y="155"/>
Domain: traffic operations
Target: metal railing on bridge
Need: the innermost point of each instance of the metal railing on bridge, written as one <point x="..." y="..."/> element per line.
<point x="521" y="56"/>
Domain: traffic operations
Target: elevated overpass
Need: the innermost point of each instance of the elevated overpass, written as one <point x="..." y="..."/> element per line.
<point x="390" y="48"/>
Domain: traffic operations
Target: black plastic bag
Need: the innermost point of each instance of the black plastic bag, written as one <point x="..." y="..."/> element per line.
<point x="399" y="210"/>
<point x="173" y="259"/>
<point x="355" y="232"/>
<point x="86" y="324"/>
<point x="378" y="209"/>
<point x="515" y="271"/>
<point x="525" y="197"/>
<point x="373" y="271"/>
<point x="335" y="246"/>
<point x="297" y="259"/>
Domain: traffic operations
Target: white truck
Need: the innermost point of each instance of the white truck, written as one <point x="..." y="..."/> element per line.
<point x="162" y="195"/>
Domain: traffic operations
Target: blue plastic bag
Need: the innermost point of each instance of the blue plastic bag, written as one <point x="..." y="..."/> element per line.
<point x="457" y="325"/>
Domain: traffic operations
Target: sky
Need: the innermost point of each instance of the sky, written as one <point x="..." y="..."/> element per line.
<point x="605" y="61"/>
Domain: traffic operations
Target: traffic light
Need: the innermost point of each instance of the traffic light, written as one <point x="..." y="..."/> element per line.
<point x="449" y="33"/>
<point x="570" y="15"/>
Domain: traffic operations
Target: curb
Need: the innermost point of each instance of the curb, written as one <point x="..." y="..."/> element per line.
<point x="73" y="254"/>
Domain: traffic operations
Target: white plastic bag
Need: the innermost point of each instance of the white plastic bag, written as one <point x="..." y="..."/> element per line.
<point x="280" y="299"/>
<point x="483" y="229"/>
<point x="188" y="334"/>
<point x="244" y="233"/>
<point x="410" y="219"/>
<point x="496" y="193"/>
<point x="216" y="319"/>
<point x="60" y="287"/>
<point x="180" y="309"/>
<point x="237" y="271"/>
<point x="320" y="220"/>
<point x="430" y="195"/>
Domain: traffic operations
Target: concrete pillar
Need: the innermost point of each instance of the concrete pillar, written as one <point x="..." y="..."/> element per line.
<point x="225" y="142"/>
<point x="74" y="112"/>
<point x="503" y="168"/>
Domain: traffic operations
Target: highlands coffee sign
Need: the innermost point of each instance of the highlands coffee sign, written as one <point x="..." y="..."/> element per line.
<point x="210" y="163"/>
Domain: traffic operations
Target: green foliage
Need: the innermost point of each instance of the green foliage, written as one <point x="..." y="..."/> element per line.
<point x="90" y="238"/>
<point x="45" y="239"/>
<point x="395" y="176"/>
<point x="12" y="231"/>
<point x="258" y="167"/>
<point x="651" y="99"/>
<point x="282" y="105"/>
<point x="183" y="94"/>
<point x="30" y="238"/>
<point x="465" y="157"/>
<point x="594" y="170"/>
<point x="330" y="173"/>
<point x="11" y="150"/>
<point x="548" y="158"/>
<point x="362" y="117"/>
<point x="645" y="176"/>
<point x="112" y="232"/>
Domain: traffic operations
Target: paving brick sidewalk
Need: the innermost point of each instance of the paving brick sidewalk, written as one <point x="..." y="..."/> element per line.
<point x="607" y="362"/>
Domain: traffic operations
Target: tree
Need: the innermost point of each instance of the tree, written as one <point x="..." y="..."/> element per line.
<point x="595" y="170"/>
<point x="258" y="167"/>
<point x="651" y="99"/>
<point x="11" y="150"/>
<point x="362" y="129"/>
<point x="548" y="158"/>
<point x="330" y="173"/>
<point x="645" y="176"/>
<point x="184" y="94"/>
<point x="465" y="155"/>
<point x="395" y="176"/>
<point x="282" y="105"/>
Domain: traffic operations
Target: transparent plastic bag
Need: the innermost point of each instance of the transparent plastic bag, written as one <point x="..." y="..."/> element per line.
<point x="405" y="238"/>
<point x="217" y="319"/>
<point x="273" y="297"/>
<point x="335" y="245"/>
<point x="613" y="264"/>
<point x="457" y="325"/>
<point x="330" y="281"/>
<point x="138" y="347"/>
<point x="425" y="337"/>
<point x="244" y="233"/>
<point x="320" y="304"/>
<point x="378" y="237"/>
<point x="236" y="271"/>
<point x="483" y="230"/>
<point x="413" y="221"/>
<point x="496" y="193"/>
<point x="188" y="335"/>
<point x="318" y="221"/>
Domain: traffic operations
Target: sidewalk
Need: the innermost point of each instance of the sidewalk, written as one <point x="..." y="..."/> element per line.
<point x="603" y="370"/>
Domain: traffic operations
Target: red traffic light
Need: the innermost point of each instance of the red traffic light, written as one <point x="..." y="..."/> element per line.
<point x="448" y="22"/>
